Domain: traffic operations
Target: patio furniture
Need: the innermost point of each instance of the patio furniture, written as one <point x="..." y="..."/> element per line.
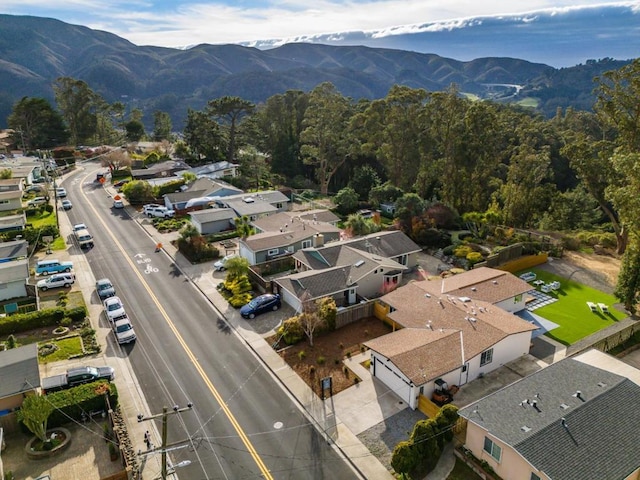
<point x="527" y="277"/>
<point x="592" y="306"/>
<point x="555" y="285"/>
<point x="537" y="283"/>
<point x="603" y="308"/>
<point x="546" y="288"/>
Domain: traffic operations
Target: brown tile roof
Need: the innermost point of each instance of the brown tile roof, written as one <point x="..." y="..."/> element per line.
<point x="482" y="283"/>
<point x="421" y="354"/>
<point x="416" y="308"/>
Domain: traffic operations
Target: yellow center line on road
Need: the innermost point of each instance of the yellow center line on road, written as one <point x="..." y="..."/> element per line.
<point x="192" y="357"/>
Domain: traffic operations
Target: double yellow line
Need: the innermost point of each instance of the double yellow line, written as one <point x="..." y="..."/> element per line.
<point x="243" y="436"/>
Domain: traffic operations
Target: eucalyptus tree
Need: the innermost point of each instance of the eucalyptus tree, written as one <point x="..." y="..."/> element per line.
<point x="232" y="110"/>
<point x="79" y="106"/>
<point x="36" y="124"/>
<point x="326" y="140"/>
<point x="392" y="129"/>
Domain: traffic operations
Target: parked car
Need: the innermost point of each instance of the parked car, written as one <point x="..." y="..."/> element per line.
<point x="45" y="267"/>
<point x="162" y="212"/>
<point x="105" y="288"/>
<point x="263" y="303"/>
<point x="39" y="180"/>
<point x="56" y="281"/>
<point x="221" y="264"/>
<point x="123" y="330"/>
<point x="67" y="205"/>
<point x="79" y="226"/>
<point x="120" y="184"/>
<point x="61" y="192"/>
<point x="37" y="201"/>
<point x="118" y="204"/>
<point x="77" y="376"/>
<point x="33" y="188"/>
<point x="146" y="208"/>
<point x="84" y="238"/>
<point x="114" y="308"/>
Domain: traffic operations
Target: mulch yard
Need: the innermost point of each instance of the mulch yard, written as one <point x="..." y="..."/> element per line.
<point x="325" y="357"/>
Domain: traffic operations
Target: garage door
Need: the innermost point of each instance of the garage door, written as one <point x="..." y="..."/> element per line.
<point x="392" y="380"/>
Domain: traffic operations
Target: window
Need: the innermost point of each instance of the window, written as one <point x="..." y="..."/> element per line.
<point x="517" y="298"/>
<point x="279" y="206"/>
<point x="534" y="476"/>
<point x="492" y="449"/>
<point x="306" y="244"/>
<point x="273" y="251"/>
<point x="486" y="357"/>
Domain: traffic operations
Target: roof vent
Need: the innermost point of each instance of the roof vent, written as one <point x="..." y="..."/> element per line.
<point x="473" y="319"/>
<point x="525" y="429"/>
<point x="473" y="289"/>
<point x="602" y="385"/>
<point x="427" y="295"/>
<point x="359" y="263"/>
<point x="464" y="299"/>
<point x="579" y="396"/>
<point x="248" y="200"/>
<point x="495" y="282"/>
<point x="564" y="422"/>
<point x="564" y="406"/>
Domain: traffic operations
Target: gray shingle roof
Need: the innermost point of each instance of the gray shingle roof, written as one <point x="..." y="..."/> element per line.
<point x="387" y="244"/>
<point x="241" y="207"/>
<point x="19" y="370"/>
<point x="317" y="283"/>
<point x="178" y="197"/>
<point x="213" y="214"/>
<point x="13" y="249"/>
<point x="602" y="430"/>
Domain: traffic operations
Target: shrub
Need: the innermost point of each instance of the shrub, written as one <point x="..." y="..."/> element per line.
<point x="321" y="360"/>
<point x="474" y="257"/>
<point x="301" y="355"/>
<point x="462" y="251"/>
<point x="20" y="322"/>
<point x="66" y="322"/>
<point x="11" y="342"/>
<point x="71" y="403"/>
<point x="291" y="331"/>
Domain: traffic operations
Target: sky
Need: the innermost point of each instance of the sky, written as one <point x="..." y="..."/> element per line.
<point x="183" y="23"/>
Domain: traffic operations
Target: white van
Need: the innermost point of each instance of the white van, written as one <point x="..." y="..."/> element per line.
<point x="84" y="238"/>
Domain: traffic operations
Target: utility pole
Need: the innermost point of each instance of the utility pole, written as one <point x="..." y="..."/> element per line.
<point x="164" y="415"/>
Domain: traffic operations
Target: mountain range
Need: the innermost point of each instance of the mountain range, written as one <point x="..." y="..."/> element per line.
<point x="34" y="51"/>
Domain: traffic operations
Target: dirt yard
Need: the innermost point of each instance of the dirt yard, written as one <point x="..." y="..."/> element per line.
<point x="325" y="357"/>
<point x="606" y="265"/>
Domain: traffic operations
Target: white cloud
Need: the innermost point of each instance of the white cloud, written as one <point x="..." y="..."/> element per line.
<point x="185" y="23"/>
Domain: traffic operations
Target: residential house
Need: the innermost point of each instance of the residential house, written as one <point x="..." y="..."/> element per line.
<point x="199" y="194"/>
<point x="500" y="288"/>
<point x="212" y="220"/>
<point x="161" y="169"/>
<point x="25" y="172"/>
<point x="257" y="204"/>
<point x="14" y="269"/>
<point x="287" y="232"/>
<point x="20" y="376"/>
<point x="216" y="170"/>
<point x="372" y="265"/>
<point x="442" y="339"/>
<point x="11" y="194"/>
<point x="13" y="222"/>
<point x="573" y="420"/>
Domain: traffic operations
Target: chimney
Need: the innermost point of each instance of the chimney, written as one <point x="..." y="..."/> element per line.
<point x="318" y="240"/>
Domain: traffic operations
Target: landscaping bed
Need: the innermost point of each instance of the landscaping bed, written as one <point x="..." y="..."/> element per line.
<point x="325" y="358"/>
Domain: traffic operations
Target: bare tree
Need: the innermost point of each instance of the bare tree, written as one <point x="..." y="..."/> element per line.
<point x="310" y="320"/>
<point x="116" y="160"/>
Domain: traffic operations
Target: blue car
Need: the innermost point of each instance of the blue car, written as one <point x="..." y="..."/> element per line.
<point x="263" y="303"/>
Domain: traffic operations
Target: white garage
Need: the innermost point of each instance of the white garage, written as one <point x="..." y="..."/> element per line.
<point x="387" y="373"/>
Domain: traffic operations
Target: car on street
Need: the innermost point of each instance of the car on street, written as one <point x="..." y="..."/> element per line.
<point x="114" y="308"/>
<point x="123" y="330"/>
<point x="105" y="288"/>
<point x="79" y="226"/>
<point x="263" y="303"/>
<point x="56" y="281"/>
<point x="118" y="204"/>
<point x="37" y="201"/>
<point x="61" y="192"/>
<point x="67" y="205"/>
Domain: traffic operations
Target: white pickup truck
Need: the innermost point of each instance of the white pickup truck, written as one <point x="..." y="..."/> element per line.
<point x="158" y="211"/>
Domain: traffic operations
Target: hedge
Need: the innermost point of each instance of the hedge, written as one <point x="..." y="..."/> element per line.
<point x="20" y="322"/>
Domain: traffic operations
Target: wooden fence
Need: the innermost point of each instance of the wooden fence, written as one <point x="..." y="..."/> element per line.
<point x="354" y="313"/>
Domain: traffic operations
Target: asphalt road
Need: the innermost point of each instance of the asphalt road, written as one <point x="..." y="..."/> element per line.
<point x="243" y="425"/>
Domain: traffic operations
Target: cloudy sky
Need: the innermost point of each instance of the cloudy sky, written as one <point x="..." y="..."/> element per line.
<point x="178" y="23"/>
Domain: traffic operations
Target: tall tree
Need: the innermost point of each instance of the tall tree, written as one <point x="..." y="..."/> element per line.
<point x="161" y="126"/>
<point x="37" y="124"/>
<point x="231" y="110"/>
<point x="203" y="136"/>
<point x="326" y="139"/>
<point x="78" y="105"/>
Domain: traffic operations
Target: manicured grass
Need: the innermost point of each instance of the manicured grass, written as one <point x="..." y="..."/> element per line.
<point x="66" y="348"/>
<point x="571" y="311"/>
<point x="42" y="219"/>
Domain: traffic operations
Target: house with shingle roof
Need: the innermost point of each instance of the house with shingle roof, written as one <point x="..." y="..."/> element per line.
<point x="442" y="339"/>
<point x="216" y="170"/>
<point x="11" y="194"/>
<point x="14" y="269"/>
<point x="371" y="270"/>
<point x="199" y="194"/>
<point x="573" y="420"/>
<point x="284" y="233"/>
<point x="212" y="220"/>
<point x="20" y="375"/>
<point x="256" y="204"/>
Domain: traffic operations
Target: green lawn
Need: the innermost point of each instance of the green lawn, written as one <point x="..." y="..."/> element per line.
<point x="571" y="311"/>
<point x="47" y="218"/>
<point x="66" y="348"/>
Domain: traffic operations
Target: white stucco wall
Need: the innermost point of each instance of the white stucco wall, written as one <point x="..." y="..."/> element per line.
<point x="511" y="305"/>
